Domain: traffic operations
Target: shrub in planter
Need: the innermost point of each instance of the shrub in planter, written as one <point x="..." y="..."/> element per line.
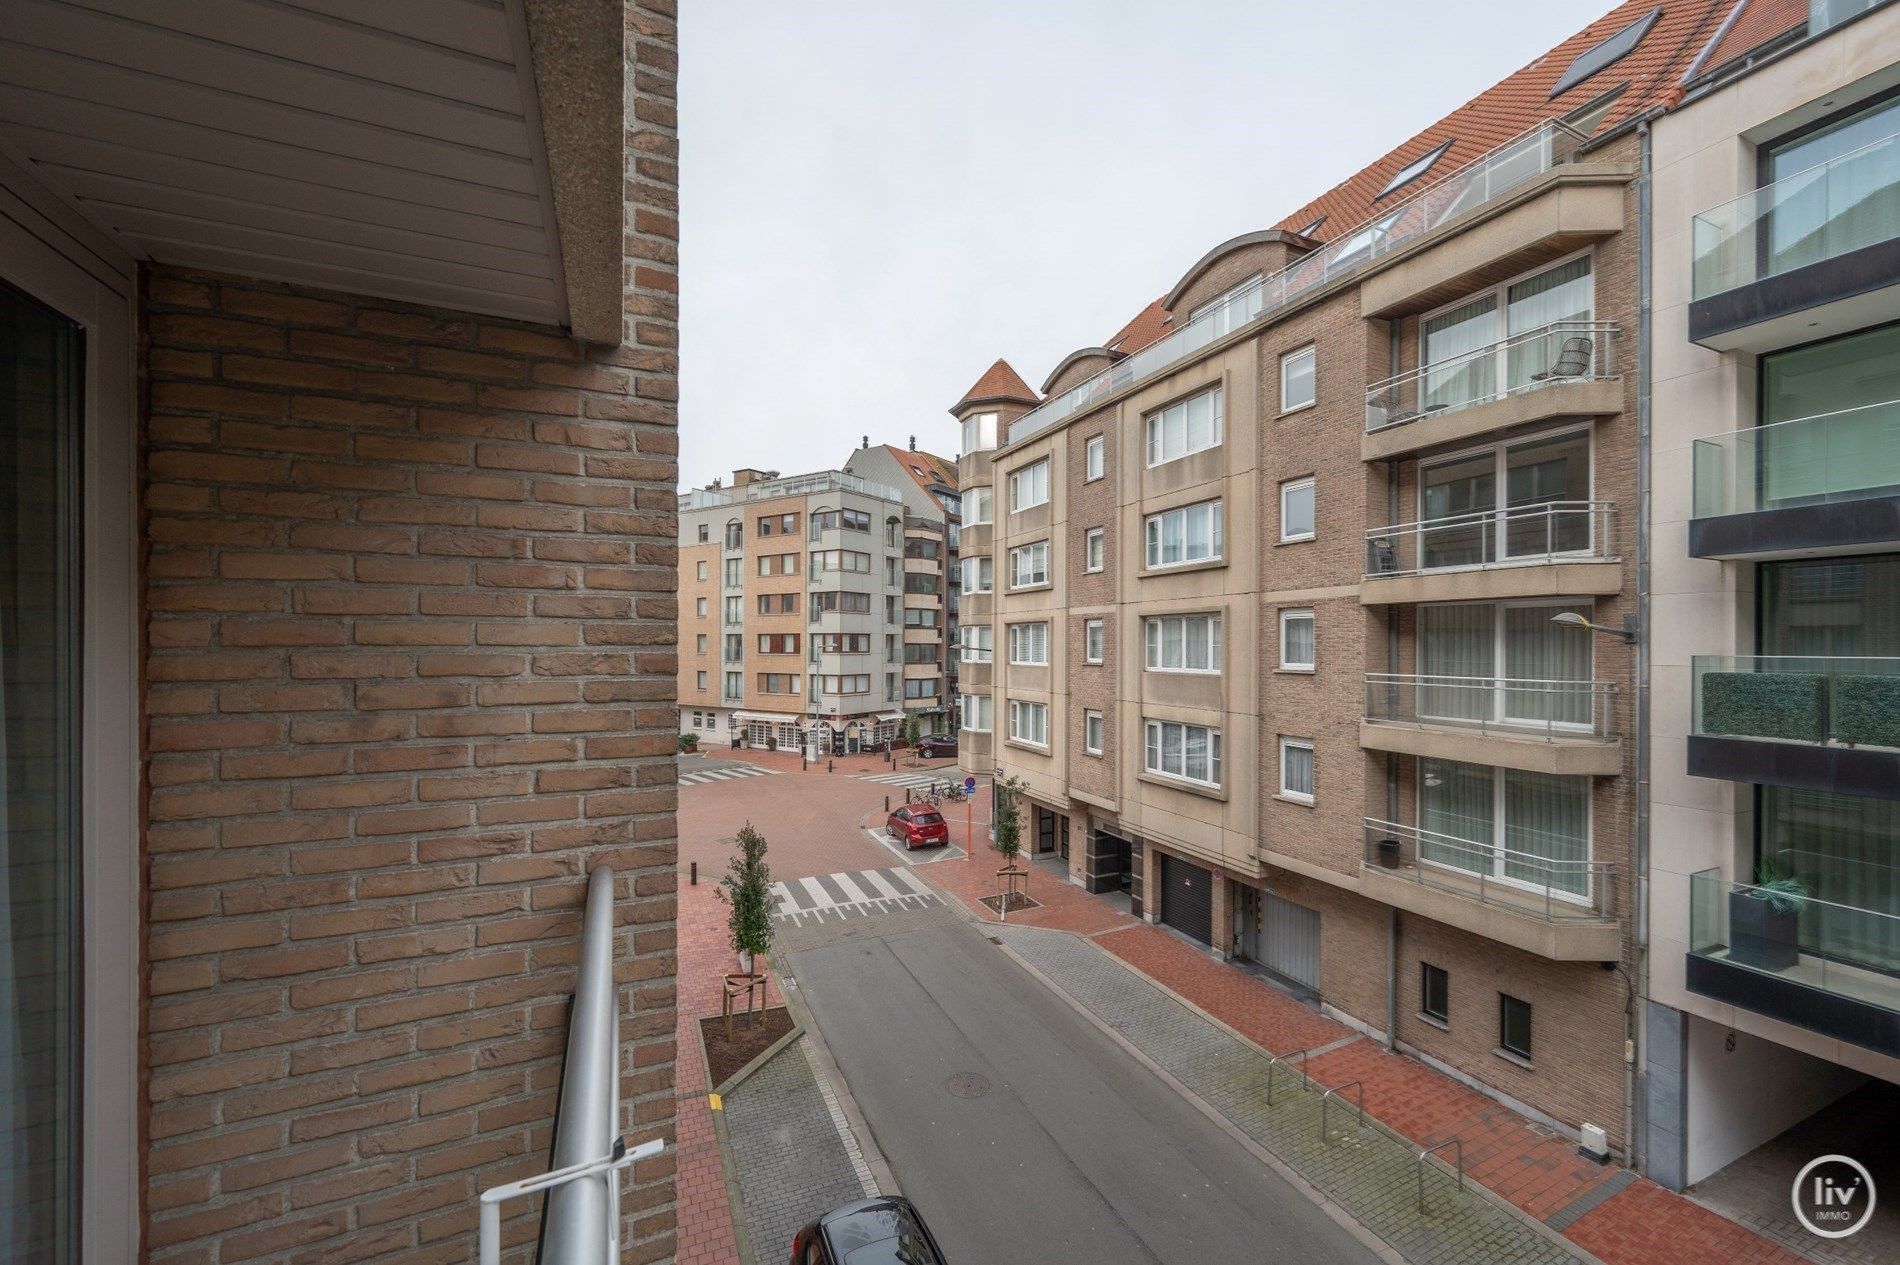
<point x="1764" y="923"/>
<point x="689" y="742"/>
<point x="1866" y="710"/>
<point x="1764" y="705"/>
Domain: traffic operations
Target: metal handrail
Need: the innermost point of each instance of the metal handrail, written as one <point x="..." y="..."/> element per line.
<point x="1386" y="704"/>
<point x="608" y="1165"/>
<point x="1452" y="1142"/>
<point x="1597" y="878"/>
<point x="1286" y="1060"/>
<point x="1325" y="1134"/>
<point x="1490" y="530"/>
<point x="1386" y="401"/>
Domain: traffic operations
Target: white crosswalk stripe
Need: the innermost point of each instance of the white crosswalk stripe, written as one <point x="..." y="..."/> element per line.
<point x="850" y="894"/>
<point x="916" y="781"/>
<point x="724" y="775"/>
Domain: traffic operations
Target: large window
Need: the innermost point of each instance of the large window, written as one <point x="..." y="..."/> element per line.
<point x="778" y="683"/>
<point x="1029" y="722"/>
<point x="844" y="603"/>
<point x="1851" y="382"/>
<point x="1029" y="486"/>
<point x="978" y="506"/>
<point x="1504" y="663"/>
<point x="778" y="603"/>
<point x="1186" y="426"/>
<point x="1543" y="509"/>
<point x="976" y="711"/>
<point x="778" y="643"/>
<point x="979" y="432"/>
<point x="1029" y="644"/>
<point x="1179" y="536"/>
<point x="1189" y="752"/>
<point x="978" y="574"/>
<point x="849" y="561"/>
<point x="1527" y="828"/>
<point x="843" y="643"/>
<point x="1029" y="565"/>
<point x="1816" y="223"/>
<point x="1841" y="848"/>
<point x="1507" y="338"/>
<point x="859" y="683"/>
<point x="1183" y="643"/>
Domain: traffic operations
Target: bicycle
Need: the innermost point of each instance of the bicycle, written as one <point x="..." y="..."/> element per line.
<point x="954" y="793"/>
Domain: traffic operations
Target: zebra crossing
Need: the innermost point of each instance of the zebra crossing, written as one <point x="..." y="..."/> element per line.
<point x="850" y="893"/>
<point x="921" y="781"/>
<point x="725" y="774"/>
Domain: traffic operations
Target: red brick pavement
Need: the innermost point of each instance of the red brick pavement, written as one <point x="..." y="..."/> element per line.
<point x="1646" y="1223"/>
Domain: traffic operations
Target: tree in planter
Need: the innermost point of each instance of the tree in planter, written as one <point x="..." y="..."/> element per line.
<point x="910" y="731"/>
<point x="1009" y="831"/>
<point x="747" y="891"/>
<point x="1765" y="920"/>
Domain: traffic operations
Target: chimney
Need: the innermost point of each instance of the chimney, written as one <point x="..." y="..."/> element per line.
<point x="866" y="443"/>
<point x="913" y="443"/>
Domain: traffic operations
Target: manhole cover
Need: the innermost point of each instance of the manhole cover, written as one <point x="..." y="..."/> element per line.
<point x="968" y="1085"/>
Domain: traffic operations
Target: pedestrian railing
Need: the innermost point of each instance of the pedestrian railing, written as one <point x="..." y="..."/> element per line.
<point x="1458" y="1150"/>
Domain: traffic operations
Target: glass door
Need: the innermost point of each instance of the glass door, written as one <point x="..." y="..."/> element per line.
<point x="39" y="844"/>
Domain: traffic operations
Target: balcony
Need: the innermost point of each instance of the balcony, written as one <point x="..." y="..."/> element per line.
<point x="1560" y="370"/>
<point x="1550" y="549"/>
<point x="1818" y="248"/>
<point x="1828" y="483"/>
<point x="1558" y="727"/>
<point x="1486" y="179"/>
<point x="1826" y="967"/>
<point x="1561" y="910"/>
<point x="1822" y="724"/>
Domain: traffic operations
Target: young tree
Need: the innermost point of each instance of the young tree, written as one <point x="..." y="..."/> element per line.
<point x="747" y="891"/>
<point x="910" y="731"/>
<point x="1009" y="832"/>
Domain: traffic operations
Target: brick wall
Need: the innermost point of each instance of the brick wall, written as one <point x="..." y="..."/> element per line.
<point x="409" y="585"/>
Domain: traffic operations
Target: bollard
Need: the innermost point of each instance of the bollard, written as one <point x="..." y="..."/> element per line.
<point x="695" y="882"/>
<point x="887" y="805"/>
<point x="907" y="794"/>
<point x="831" y="766"/>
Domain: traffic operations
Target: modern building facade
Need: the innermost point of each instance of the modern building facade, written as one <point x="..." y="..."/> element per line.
<point x="1311" y="593"/>
<point x="1775" y="641"/>
<point x="337" y="382"/>
<point x="800" y="601"/>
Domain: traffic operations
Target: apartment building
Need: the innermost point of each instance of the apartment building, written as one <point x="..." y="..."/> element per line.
<point x="800" y="599"/>
<point x="1311" y="590"/>
<point x="1776" y="607"/>
<point x="335" y="618"/>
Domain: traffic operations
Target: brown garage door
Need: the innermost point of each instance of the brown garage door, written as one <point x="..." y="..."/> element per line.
<point x="1187" y="898"/>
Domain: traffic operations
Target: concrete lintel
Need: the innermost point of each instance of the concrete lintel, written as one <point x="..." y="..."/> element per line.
<point x="1542" y="579"/>
<point x="1580" y="756"/>
<point x="1558" y="939"/>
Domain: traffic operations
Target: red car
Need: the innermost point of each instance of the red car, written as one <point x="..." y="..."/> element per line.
<point x="918" y="826"/>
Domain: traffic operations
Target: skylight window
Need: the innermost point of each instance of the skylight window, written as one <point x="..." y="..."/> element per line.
<point x="1605" y="54"/>
<point x="1312" y="228"/>
<point x="1413" y="170"/>
<point x="1366" y="238"/>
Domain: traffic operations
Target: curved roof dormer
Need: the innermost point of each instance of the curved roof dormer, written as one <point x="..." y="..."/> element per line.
<point x="1080" y="356"/>
<point x="1233" y="245"/>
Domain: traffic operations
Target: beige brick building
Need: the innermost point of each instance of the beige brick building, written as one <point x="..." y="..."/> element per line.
<point x="340" y="620"/>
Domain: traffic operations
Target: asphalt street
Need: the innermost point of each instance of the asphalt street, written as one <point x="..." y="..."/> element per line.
<point x="1021" y="1131"/>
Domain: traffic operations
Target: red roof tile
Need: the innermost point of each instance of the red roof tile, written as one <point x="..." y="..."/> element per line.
<point x="1757" y="23"/>
<point x="1151" y="324"/>
<point x="999" y="382"/>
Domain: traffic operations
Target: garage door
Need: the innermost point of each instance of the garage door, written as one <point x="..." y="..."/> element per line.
<point x="1187" y="898"/>
<point x="1289" y="940"/>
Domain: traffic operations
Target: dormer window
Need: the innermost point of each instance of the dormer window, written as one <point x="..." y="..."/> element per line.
<point x="1413" y="170"/>
<point x="1605" y="54"/>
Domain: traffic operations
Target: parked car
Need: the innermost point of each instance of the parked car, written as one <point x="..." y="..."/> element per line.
<point x="934" y="745"/>
<point x="881" y="1231"/>
<point x="918" y="826"/>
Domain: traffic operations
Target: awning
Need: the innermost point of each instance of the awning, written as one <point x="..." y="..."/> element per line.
<point x="890" y="715"/>
<point x="770" y="718"/>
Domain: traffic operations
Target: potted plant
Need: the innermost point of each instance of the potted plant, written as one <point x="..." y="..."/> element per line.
<point x="689" y="743"/>
<point x="746" y="890"/>
<point x="1764" y="921"/>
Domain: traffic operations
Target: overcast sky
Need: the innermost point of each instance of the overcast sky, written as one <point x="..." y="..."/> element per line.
<point x="880" y="197"/>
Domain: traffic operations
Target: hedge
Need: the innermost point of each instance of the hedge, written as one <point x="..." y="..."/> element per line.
<point x="1867" y="710"/>
<point x="1765" y="705"/>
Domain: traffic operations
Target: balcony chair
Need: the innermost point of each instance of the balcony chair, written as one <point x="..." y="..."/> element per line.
<point x="1573" y="360"/>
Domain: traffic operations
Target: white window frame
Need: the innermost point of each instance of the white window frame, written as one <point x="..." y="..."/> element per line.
<point x="1154" y="752"/>
<point x="1291" y="485"/>
<point x="1155" y="428"/>
<point x="1094" y="550"/>
<point x="1286" y="362"/>
<point x="1154" y="531"/>
<point x="1288" y="616"/>
<point x="971" y="708"/>
<point x="1026" y="640"/>
<point x="1298" y="744"/>
<point x="1022" y="554"/>
<point x="977" y="643"/>
<point x="1093" y="640"/>
<point x="1155" y="641"/>
<point x="1094" y="732"/>
<point x="978" y="506"/>
<point x="973" y="566"/>
<point x="979" y="433"/>
<point x="1094" y="458"/>
<point x="1019" y="708"/>
<point x="1499" y="832"/>
<point x="1500" y="295"/>
<point x="1027" y="481"/>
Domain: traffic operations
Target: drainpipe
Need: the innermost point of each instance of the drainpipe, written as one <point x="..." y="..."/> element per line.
<point x="1639" y="886"/>
<point x="1392" y="475"/>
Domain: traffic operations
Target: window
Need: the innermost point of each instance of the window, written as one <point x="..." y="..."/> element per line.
<point x="1367" y="237"/>
<point x="920" y="689"/>
<point x="976" y="713"/>
<point x="778" y="564"/>
<point x="847" y="561"/>
<point x="1505" y="663"/>
<point x="1528" y="829"/>
<point x="1181" y="536"/>
<point x="735" y="685"/>
<point x="778" y="643"/>
<point x="1091" y="641"/>
<point x="1296" y="641"/>
<point x="1029" y="486"/>
<point x="1542" y="487"/>
<point x="859" y="683"/>
<point x="1514" y="1026"/>
<point x="778" y="603"/>
<point x="1094" y="457"/>
<point x="735" y="610"/>
<point x="1312" y="227"/>
<point x="699" y="644"/>
<point x="978" y="641"/>
<point x="735" y="574"/>
<point x="1296" y="769"/>
<point x="705" y="533"/>
<point x="1846" y="379"/>
<point x="1093" y="549"/>
<point x="1296" y="379"/>
<point x="979" y="432"/>
<point x="704" y="571"/>
<point x="1297" y="510"/>
<point x="700" y="681"/>
<point x="778" y="683"/>
<point x="978" y="506"/>
<point x="1092" y="732"/>
<point x="1029" y="722"/>
<point x="844" y="643"/>
<point x="1413" y="170"/>
<point x="735" y="647"/>
<point x="1029" y="644"/>
<point x="920" y="584"/>
<point x="735" y="534"/>
<point x="1190" y="752"/>
<point x="778" y="524"/>
<point x="846" y="603"/>
<point x="701" y="608"/>
<point x="1434" y="992"/>
<point x="1602" y="55"/>
<point x="833" y="520"/>
<point x="978" y="574"/>
<point x="920" y="618"/>
<point x="1471" y="354"/>
<point x="1029" y="565"/>
<point x="1183" y="643"/>
<point x="1186" y="426"/>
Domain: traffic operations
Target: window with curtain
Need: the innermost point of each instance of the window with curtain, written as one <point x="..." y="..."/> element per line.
<point x="1461" y="649"/>
<point x="1529" y="828"/>
<point x="1852" y="382"/>
<point x="1455" y="375"/>
<point x="1562" y="295"/>
<point x="1458" y="368"/>
<point x="1296" y="641"/>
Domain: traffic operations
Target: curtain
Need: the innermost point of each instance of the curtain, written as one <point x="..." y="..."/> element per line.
<point x="1456" y="800"/>
<point x="1560" y="295"/>
<point x="1546" y="823"/>
<point x="1453" y="337"/>
<point x="1457" y="641"/>
<point x="1537" y="650"/>
<point x="1842" y="847"/>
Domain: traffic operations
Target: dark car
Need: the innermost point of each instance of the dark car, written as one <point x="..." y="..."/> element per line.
<point x="918" y="826"/>
<point x="937" y="745"/>
<point x="881" y="1231"/>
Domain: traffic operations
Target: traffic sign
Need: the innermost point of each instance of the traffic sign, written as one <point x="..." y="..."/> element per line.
<point x="969" y="785"/>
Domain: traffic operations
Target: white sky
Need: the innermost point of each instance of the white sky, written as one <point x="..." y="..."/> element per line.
<point x="880" y="197"/>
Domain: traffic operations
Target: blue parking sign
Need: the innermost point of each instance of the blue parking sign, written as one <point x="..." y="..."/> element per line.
<point x="969" y="785"/>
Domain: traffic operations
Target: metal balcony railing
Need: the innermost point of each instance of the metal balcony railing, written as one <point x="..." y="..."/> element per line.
<point x="1479" y="181"/>
<point x="1520" y="881"/>
<point x="1515" y="536"/>
<point x="1832" y="209"/>
<point x="1507" y="706"/>
<point x="1850" y="455"/>
<point x="1565" y="351"/>
<point x="1840" y="701"/>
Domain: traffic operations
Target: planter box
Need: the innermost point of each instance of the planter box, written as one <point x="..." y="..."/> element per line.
<point x="1789" y="705"/>
<point x="1761" y="936"/>
<point x="1866" y="710"/>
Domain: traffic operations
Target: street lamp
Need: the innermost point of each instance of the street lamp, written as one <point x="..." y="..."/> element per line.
<point x="1570" y="619"/>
